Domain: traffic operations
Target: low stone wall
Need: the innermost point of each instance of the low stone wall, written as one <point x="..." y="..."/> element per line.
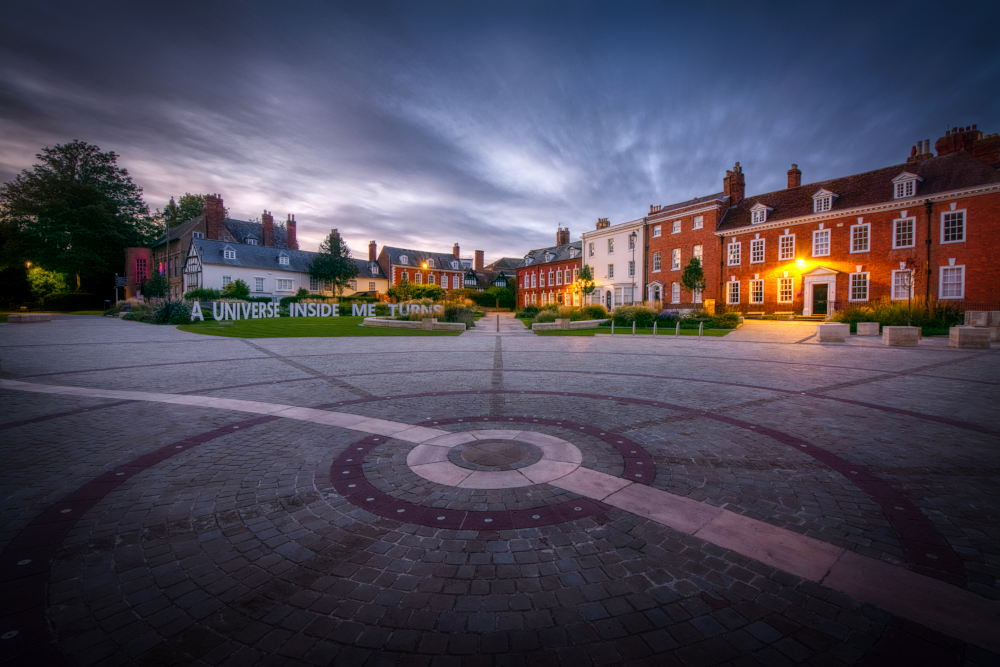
<point x="25" y="318"/>
<point x="566" y="324"/>
<point x="426" y="324"/>
<point x="974" y="338"/>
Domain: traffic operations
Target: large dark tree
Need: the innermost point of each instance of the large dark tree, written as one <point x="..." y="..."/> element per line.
<point x="76" y="211"/>
<point x="333" y="264"/>
<point x="187" y="207"/>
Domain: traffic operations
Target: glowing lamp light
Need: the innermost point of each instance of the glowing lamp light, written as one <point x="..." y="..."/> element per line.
<point x="800" y="262"/>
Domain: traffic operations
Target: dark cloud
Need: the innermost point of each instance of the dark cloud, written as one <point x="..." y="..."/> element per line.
<point x="487" y="124"/>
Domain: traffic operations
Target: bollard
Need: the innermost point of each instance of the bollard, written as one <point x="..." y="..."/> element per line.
<point x="612" y="327"/>
<point x="654" y="327"/>
<point x="677" y="331"/>
<point x="498" y="322"/>
<point x="633" y="327"/>
<point x="701" y="325"/>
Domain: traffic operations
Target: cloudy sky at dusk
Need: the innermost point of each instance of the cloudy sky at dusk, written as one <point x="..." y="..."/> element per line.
<point x="422" y="124"/>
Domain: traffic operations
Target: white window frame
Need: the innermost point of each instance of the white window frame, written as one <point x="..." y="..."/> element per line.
<point x="822" y="204"/>
<point x="675" y="227"/>
<point x="631" y="268"/>
<point x="759" y="216"/>
<point x="656" y="262"/>
<point x="576" y="274"/>
<point x="850" y="286"/>
<point x="855" y="229"/>
<point x="817" y="233"/>
<point x="418" y="278"/>
<point x="757" y="250"/>
<point x="228" y="253"/>
<point x="558" y="278"/>
<point x="944" y="214"/>
<point x="404" y="260"/>
<point x="631" y="241"/>
<point x="534" y="282"/>
<point x="699" y="222"/>
<point x="733" y="253"/>
<point x="675" y="293"/>
<point x="456" y="282"/>
<point x="590" y="249"/>
<point x="905" y="189"/>
<point x="197" y="235"/>
<point x="226" y="280"/>
<point x="782" y="282"/>
<point x="258" y="283"/>
<point x="675" y="259"/>
<point x="278" y="282"/>
<point x="941" y="273"/>
<point x="756" y="291"/>
<point x="567" y="276"/>
<point x="786" y="248"/>
<point x="611" y="270"/>
<point x="896" y="224"/>
<point x="697" y="251"/>
<point x="430" y="279"/>
<point x="733" y="290"/>
<point x="283" y="260"/>
<point x="541" y="279"/>
<point x="893" y="285"/>
<point x="656" y="231"/>
<point x="611" y="246"/>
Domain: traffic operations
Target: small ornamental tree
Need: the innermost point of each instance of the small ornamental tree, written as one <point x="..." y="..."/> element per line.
<point x="333" y="264"/>
<point x="586" y="280"/>
<point x="693" y="277"/>
<point x="401" y="291"/>
<point x="238" y="289"/>
<point x="156" y="285"/>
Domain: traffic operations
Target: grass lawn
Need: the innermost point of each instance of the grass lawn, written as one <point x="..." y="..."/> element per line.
<point x="298" y="327"/>
<point x="627" y="331"/>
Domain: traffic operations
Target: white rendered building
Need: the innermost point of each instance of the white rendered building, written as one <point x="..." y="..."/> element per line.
<point x="615" y="254"/>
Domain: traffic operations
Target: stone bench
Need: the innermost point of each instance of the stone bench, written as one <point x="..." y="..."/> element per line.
<point x="976" y="338"/>
<point x="25" y="318"/>
<point x="566" y="324"/>
<point x="868" y="329"/>
<point x="832" y="332"/>
<point x="426" y="324"/>
<point x="900" y="336"/>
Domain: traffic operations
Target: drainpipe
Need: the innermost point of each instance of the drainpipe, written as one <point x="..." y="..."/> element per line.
<point x="722" y="272"/>
<point x="929" y="205"/>
<point x="645" y="254"/>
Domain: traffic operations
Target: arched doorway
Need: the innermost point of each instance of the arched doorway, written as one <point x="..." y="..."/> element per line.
<point x="607" y="299"/>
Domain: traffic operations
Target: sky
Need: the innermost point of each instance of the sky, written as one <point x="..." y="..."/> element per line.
<point x="490" y="124"/>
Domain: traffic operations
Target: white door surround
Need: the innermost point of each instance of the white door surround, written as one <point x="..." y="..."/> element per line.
<point x="651" y="288"/>
<point x="819" y="276"/>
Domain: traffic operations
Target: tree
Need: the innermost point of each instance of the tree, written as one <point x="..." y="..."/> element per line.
<point x="76" y="211"/>
<point x="156" y="285"/>
<point x="503" y="296"/>
<point x="237" y="289"/>
<point x="693" y="277"/>
<point x="333" y="264"/>
<point x="186" y="208"/>
<point x="586" y="280"/>
<point x="45" y="282"/>
<point x="401" y="291"/>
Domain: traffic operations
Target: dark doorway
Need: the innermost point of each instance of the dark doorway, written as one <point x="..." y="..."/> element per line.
<point x="820" y="298"/>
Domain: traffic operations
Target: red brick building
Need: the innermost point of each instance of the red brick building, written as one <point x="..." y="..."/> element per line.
<point x="929" y="226"/>
<point x="549" y="275"/>
<point x="420" y="267"/>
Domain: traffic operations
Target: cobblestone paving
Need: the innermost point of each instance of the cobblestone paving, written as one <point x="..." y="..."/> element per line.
<point x="165" y="534"/>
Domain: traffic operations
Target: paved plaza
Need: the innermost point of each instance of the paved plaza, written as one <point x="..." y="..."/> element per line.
<point x="496" y="499"/>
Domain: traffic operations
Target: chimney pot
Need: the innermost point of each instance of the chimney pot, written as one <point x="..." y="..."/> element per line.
<point x="372" y="255"/>
<point x="455" y="252"/>
<point x="794" y="177"/>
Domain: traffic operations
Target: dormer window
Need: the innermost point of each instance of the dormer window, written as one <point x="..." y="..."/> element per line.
<point x="549" y="257"/>
<point x="572" y="253"/>
<point x="228" y="253"/>
<point x="251" y="240"/>
<point x="823" y="201"/>
<point x="454" y="264"/>
<point x="373" y="267"/>
<point x="403" y="259"/>
<point x="197" y="235"/>
<point x="430" y="263"/>
<point x="758" y="213"/>
<point x="283" y="259"/>
<point x="905" y="185"/>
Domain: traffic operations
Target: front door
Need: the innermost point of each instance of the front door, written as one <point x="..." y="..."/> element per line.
<point x="820" y="297"/>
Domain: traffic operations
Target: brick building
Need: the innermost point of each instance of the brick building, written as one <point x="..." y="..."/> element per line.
<point x="420" y="267"/>
<point x="549" y="275"/>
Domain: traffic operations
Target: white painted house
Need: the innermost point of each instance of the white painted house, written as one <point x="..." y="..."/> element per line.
<point x="615" y="254"/>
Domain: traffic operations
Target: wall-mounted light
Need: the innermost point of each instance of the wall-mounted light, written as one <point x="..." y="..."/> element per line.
<point x="800" y="262"/>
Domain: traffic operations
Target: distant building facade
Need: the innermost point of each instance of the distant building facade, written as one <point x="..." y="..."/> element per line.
<point x="616" y="256"/>
<point x="549" y="276"/>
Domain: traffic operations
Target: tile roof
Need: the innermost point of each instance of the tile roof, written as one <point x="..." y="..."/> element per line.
<point x="239" y="230"/>
<point x="442" y="260"/>
<point x="697" y="201"/>
<point x="940" y="174"/>
<point x="505" y="263"/>
<point x="263" y="257"/>
<point x="558" y="253"/>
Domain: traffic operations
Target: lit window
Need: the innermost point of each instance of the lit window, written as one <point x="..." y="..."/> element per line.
<point x="611" y="246"/>
<point x="545" y="298"/>
<point x="656" y="261"/>
<point x="229" y="253"/>
<point x="759" y="216"/>
<point x="675" y="259"/>
<point x="859" y="238"/>
<point x="698" y="222"/>
<point x="675" y="293"/>
<point x="590" y="249"/>
<point x="656" y="231"/>
<point x="756" y="251"/>
<point x="821" y="243"/>
<point x="786" y="246"/>
<point x="558" y="278"/>
<point x="696" y="252"/>
<point x="676" y="227"/>
<point x="283" y="285"/>
<point x="859" y="287"/>
<point x="756" y="291"/>
<point x="566" y="273"/>
<point x="733" y="292"/>
<point x="902" y="284"/>
<point x="541" y="280"/>
<point x="786" y="288"/>
<point x="611" y="270"/>
<point x="534" y="283"/>
<point x="952" y="282"/>
<point x="734" y="254"/>
<point x="631" y="269"/>
<point x="258" y="285"/>
<point x="576" y="274"/>
<point x="953" y="227"/>
<point x="430" y="279"/>
<point x="902" y="232"/>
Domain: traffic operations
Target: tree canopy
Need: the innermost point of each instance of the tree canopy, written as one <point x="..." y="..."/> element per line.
<point x="189" y="206"/>
<point x="76" y="211"/>
<point x="333" y="264"/>
<point x="586" y="280"/>
<point x="693" y="277"/>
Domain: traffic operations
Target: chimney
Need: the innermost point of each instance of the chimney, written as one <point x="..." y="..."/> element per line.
<point x="733" y="185"/>
<point x="794" y="177"/>
<point x="654" y="208"/>
<point x="372" y="255"/>
<point x="562" y="236"/>
<point x="267" y="229"/>
<point x="454" y="251"/>
<point x="215" y="215"/>
<point x="480" y="262"/>
<point x="290" y="240"/>
<point x="603" y="223"/>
